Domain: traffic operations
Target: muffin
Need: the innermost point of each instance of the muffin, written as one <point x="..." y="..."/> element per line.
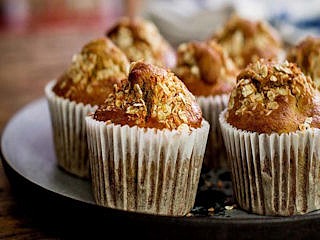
<point x="272" y="136"/>
<point x="210" y="75"/>
<point x="146" y="144"/>
<point x="247" y="41"/>
<point x="306" y="55"/>
<point x="140" y="39"/>
<point x="86" y="83"/>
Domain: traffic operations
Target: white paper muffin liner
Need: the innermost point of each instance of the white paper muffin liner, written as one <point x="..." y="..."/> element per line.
<point x="212" y="106"/>
<point x="69" y="132"/>
<point x="274" y="174"/>
<point x="145" y="170"/>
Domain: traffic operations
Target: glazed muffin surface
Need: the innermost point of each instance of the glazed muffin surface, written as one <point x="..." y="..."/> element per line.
<point x="205" y="68"/>
<point x="152" y="98"/>
<point x="272" y="97"/>
<point x="93" y="73"/>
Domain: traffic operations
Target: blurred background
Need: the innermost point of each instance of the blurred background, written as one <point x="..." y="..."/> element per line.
<point x="21" y="16"/>
<point x="38" y="39"/>
<point x="184" y="17"/>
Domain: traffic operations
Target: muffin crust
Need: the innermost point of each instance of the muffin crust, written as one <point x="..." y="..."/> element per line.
<point x="307" y="56"/>
<point x="93" y="72"/>
<point x="247" y="41"/>
<point x="140" y="39"/>
<point x="272" y="97"/>
<point x="205" y="68"/>
<point x="152" y="98"/>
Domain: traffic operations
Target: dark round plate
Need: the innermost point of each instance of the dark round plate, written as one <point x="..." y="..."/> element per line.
<point x="66" y="202"/>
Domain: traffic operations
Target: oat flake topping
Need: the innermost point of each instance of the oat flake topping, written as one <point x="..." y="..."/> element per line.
<point x="153" y="97"/>
<point x="93" y="72"/>
<point x="272" y="97"/>
<point x="262" y="83"/>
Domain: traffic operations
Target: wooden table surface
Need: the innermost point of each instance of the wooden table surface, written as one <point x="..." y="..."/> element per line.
<point x="28" y="61"/>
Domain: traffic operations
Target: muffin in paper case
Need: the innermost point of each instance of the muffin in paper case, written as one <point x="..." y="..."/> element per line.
<point x="69" y="132"/>
<point x="210" y="74"/>
<point x="271" y="132"/>
<point x="274" y="174"/>
<point x="145" y="170"/>
<point x="87" y="81"/>
<point x="211" y="107"/>
<point x="147" y="143"/>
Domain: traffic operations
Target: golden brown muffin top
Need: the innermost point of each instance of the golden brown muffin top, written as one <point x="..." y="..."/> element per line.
<point x="307" y="56"/>
<point x="272" y="97"/>
<point x="93" y="72"/>
<point x="247" y="41"/>
<point x="205" y="68"/>
<point x="152" y="98"/>
<point x="140" y="39"/>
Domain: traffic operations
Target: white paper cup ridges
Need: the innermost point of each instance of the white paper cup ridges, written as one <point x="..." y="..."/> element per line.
<point x="211" y="108"/>
<point x="276" y="174"/>
<point x="145" y="170"/>
<point x="69" y="132"/>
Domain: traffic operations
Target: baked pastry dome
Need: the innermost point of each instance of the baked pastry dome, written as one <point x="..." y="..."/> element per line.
<point x="272" y="97"/>
<point x="152" y="98"/>
<point x="307" y="56"/>
<point x="146" y="144"/>
<point x="205" y="68"/>
<point x="140" y="39"/>
<point x="247" y="41"/>
<point x="93" y="72"/>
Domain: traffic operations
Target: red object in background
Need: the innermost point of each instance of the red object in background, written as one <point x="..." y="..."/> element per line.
<point x="23" y="16"/>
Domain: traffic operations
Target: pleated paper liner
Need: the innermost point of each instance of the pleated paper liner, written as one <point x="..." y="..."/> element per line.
<point x="145" y="170"/>
<point x="274" y="174"/>
<point x="69" y="132"/>
<point x="212" y="106"/>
